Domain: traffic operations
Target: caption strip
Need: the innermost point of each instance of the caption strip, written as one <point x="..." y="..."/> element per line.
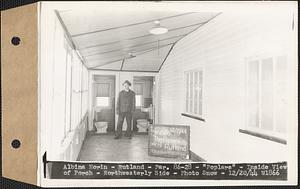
<point x="201" y="171"/>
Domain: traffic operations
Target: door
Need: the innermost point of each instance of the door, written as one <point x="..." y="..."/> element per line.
<point x="104" y="102"/>
<point x="143" y="88"/>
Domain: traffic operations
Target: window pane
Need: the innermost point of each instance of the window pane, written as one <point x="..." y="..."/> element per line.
<point x="191" y="93"/>
<point x="281" y="97"/>
<point x="196" y="89"/>
<point x="187" y="92"/>
<point x="138" y="88"/>
<point x="59" y="90"/>
<point x="103" y="89"/>
<point x="253" y="92"/>
<point x="79" y="93"/>
<point x="138" y="100"/>
<point x="103" y="101"/>
<point x="75" y="91"/>
<point x="84" y="89"/>
<point x="267" y="94"/>
<point x="68" y="92"/>
<point x="200" y="92"/>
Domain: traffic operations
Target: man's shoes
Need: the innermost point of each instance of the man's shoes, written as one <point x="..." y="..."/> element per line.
<point x="117" y="137"/>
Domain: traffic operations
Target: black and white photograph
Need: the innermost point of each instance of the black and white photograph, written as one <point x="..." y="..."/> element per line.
<point x="168" y="93"/>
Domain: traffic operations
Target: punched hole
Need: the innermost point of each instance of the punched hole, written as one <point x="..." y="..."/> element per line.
<point x="15" y="41"/>
<point x="16" y="143"/>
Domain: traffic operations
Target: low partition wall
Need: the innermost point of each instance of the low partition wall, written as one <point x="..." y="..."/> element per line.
<point x="72" y="144"/>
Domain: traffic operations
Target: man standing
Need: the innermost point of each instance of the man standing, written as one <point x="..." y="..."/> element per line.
<point x="125" y="109"/>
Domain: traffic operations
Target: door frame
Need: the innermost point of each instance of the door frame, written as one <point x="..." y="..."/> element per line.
<point x="118" y="87"/>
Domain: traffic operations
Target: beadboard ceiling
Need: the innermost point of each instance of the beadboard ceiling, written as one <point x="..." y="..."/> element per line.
<point x="120" y="40"/>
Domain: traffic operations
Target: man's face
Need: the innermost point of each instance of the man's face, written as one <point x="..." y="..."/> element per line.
<point x="126" y="86"/>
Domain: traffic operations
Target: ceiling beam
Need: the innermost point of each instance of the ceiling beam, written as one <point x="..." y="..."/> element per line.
<point x="110" y="62"/>
<point x="138" y="45"/>
<point x="69" y="38"/>
<point x="122" y="64"/>
<point x="129" y="25"/>
<point x="142" y="36"/>
<point x="119" y="50"/>
<point x="114" y="70"/>
<point x="166" y="57"/>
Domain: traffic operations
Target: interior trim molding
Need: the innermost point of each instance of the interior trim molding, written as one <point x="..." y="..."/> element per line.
<point x="122" y="64"/>
<point x="142" y="52"/>
<point x="123" y="70"/>
<point x="192" y="116"/>
<point x="166" y="57"/>
<point x="141" y="44"/>
<point x="134" y="46"/>
<point x="263" y="136"/>
<point x="69" y="38"/>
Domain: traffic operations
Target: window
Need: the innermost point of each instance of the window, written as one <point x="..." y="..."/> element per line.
<point x="138" y="100"/>
<point x="69" y="81"/>
<point x="103" y="94"/>
<point x="193" y="94"/>
<point x="266" y="95"/>
<point x="68" y="89"/>
<point x="138" y="89"/>
<point x="76" y="91"/>
<point x="103" y="101"/>
<point x="59" y="87"/>
<point x="84" y="89"/>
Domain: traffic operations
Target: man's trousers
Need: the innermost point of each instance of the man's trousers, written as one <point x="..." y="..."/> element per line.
<point x="128" y="116"/>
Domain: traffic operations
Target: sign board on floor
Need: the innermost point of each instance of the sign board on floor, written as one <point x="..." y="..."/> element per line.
<point x="169" y="141"/>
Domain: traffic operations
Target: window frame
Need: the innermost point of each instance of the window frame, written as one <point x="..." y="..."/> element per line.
<point x="272" y="135"/>
<point x="141" y="101"/>
<point x="141" y="94"/>
<point x="109" y="95"/>
<point x="68" y="100"/>
<point x="186" y="113"/>
<point x="109" y="102"/>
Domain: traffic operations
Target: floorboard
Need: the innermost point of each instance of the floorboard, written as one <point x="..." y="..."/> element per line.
<point x="103" y="147"/>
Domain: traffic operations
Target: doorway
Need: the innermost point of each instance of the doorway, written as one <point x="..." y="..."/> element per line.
<point x="104" y="101"/>
<point x="144" y="114"/>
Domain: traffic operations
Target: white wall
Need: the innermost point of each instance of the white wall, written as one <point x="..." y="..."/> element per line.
<point x="220" y="48"/>
<point x="63" y="93"/>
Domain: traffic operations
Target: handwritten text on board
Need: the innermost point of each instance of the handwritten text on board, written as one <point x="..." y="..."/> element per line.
<point x="169" y="141"/>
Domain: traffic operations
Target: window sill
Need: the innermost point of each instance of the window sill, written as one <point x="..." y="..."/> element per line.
<point x="263" y="136"/>
<point x="193" y="117"/>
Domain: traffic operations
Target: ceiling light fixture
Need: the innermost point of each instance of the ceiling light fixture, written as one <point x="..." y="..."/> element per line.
<point x="158" y="29"/>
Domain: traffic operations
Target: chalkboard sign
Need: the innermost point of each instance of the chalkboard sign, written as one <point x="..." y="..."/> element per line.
<point x="169" y="141"/>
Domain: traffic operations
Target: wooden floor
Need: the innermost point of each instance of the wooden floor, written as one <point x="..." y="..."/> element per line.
<point x="103" y="147"/>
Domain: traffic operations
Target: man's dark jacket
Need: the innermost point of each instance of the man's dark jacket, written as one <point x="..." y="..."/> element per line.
<point x="126" y="101"/>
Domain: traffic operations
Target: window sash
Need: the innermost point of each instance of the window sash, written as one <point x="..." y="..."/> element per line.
<point x="193" y="92"/>
<point x="269" y="107"/>
<point x="138" y="88"/>
<point x="138" y="99"/>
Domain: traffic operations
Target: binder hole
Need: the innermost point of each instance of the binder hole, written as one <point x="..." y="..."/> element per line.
<point x="15" y="41"/>
<point x="16" y="143"/>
